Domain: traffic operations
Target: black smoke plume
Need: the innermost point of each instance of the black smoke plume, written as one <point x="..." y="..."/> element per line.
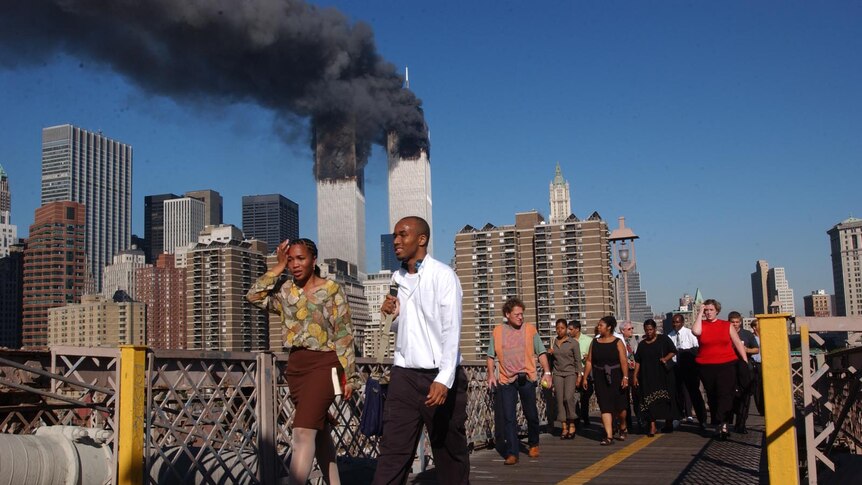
<point x="285" y="55"/>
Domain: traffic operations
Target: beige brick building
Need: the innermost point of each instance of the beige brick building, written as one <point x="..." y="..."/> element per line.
<point x="558" y="270"/>
<point x="97" y="322"/>
<point x="218" y="275"/>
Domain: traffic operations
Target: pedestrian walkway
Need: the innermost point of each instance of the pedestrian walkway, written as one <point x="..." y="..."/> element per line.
<point x="684" y="457"/>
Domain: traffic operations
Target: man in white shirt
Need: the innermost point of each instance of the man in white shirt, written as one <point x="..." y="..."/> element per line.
<point x="685" y="370"/>
<point x="427" y="385"/>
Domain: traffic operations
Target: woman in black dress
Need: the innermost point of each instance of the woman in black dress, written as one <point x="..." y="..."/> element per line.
<point x="653" y="377"/>
<point x="607" y="357"/>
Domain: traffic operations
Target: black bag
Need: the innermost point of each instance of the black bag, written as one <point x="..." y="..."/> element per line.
<point x="743" y="375"/>
<point x="371" y="422"/>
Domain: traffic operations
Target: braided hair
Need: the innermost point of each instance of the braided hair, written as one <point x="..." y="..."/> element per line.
<point x="310" y="246"/>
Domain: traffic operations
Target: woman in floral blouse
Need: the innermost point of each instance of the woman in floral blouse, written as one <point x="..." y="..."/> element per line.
<point x="319" y="335"/>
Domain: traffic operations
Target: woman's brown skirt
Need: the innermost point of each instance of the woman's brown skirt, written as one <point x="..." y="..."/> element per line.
<point x="309" y="381"/>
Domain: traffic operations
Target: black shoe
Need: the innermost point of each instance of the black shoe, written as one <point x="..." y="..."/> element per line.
<point x="741" y="430"/>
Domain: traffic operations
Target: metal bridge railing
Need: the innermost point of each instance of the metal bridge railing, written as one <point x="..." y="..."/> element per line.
<point x="194" y="416"/>
<point x="820" y="390"/>
<point x="70" y="386"/>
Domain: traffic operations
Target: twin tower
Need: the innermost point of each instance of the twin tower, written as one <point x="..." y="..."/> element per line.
<point x="339" y="166"/>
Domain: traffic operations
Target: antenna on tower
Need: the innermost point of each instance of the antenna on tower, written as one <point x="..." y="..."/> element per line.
<point x="407" y="77"/>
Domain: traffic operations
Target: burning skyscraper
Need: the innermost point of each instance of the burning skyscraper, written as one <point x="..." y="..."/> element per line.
<point x="339" y="166"/>
<point x="409" y="180"/>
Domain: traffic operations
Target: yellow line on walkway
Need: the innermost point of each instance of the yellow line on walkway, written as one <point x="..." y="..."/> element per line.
<point x="608" y="462"/>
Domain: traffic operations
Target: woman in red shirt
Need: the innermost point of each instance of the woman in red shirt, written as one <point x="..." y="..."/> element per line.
<point x="720" y="347"/>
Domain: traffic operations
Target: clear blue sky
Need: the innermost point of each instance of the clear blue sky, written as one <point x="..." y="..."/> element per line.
<point x="725" y="132"/>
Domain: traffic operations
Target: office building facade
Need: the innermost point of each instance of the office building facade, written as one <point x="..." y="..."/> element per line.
<point x="271" y="218"/>
<point x="845" y="239"/>
<point x="780" y="291"/>
<point x="213" y="205"/>
<point x="154" y="225"/>
<point x="96" y="171"/>
<point x="184" y="220"/>
<point x="388" y="259"/>
<point x="818" y="304"/>
<point x="121" y="274"/>
<point x="5" y="192"/>
<point x="409" y="185"/>
<point x="760" y="288"/>
<point x="54" y="267"/>
<point x="11" y="296"/>
<point x="8" y="231"/>
<point x="376" y="288"/>
<point x="339" y="169"/>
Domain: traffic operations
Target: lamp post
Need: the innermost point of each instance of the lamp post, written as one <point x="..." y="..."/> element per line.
<point x="623" y="240"/>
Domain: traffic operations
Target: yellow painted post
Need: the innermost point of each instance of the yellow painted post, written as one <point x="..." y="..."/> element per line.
<point x="130" y="418"/>
<point x="778" y="399"/>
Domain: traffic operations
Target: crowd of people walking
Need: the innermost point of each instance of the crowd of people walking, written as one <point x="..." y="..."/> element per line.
<point x="655" y="379"/>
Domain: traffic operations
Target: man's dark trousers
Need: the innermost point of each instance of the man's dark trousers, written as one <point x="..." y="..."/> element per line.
<point x="509" y="394"/>
<point x="690" y="378"/>
<point x="403" y="416"/>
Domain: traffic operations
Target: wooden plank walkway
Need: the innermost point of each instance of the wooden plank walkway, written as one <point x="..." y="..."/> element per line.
<point x="683" y="457"/>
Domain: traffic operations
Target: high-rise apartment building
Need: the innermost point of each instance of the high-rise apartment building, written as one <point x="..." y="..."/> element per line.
<point x="573" y="272"/>
<point x="557" y="270"/>
<point x="89" y="168"/>
<point x="845" y="239"/>
<point x="213" y="205"/>
<point x="376" y="288"/>
<point x="760" y="288"/>
<point x="54" y="266"/>
<point x="162" y="287"/>
<point x="97" y="322"/>
<point x="409" y="185"/>
<point x="218" y="275"/>
<point x="339" y="168"/>
<point x="818" y="304"/>
<point x="154" y="225"/>
<point x="121" y="274"/>
<point x="388" y="259"/>
<point x="271" y="218"/>
<point x="11" y="296"/>
<point x="184" y="220"/>
<point x="560" y="197"/>
<point x="780" y="291"/>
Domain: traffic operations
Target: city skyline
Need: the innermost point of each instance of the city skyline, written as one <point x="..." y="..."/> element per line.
<point x="702" y="104"/>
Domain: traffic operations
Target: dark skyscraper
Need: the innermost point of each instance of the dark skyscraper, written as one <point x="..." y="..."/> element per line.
<point x="388" y="260"/>
<point x="154" y="224"/>
<point x="213" y="206"/>
<point x="11" y="288"/>
<point x="270" y="218"/>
